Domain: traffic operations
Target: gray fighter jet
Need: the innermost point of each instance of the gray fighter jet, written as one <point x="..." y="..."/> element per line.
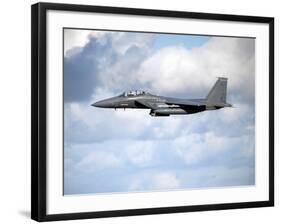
<point x="166" y="106"/>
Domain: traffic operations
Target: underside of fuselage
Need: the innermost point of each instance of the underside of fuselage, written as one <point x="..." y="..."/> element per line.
<point x="165" y="111"/>
<point x="176" y="111"/>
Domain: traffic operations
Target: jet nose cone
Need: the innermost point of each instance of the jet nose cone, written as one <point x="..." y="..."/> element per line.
<point x="98" y="104"/>
<point x="102" y="103"/>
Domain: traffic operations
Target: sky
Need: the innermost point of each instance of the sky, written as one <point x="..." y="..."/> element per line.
<point x="108" y="151"/>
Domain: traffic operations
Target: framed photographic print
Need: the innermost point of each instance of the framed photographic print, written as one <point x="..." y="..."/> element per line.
<point x="140" y="111"/>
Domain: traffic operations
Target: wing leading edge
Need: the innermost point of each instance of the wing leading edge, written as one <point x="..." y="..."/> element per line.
<point x="147" y="104"/>
<point x="170" y="101"/>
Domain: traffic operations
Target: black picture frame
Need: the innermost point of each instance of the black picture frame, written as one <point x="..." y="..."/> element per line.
<point x="39" y="116"/>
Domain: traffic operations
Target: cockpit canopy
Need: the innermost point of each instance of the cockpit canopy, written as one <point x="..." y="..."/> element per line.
<point x="133" y="93"/>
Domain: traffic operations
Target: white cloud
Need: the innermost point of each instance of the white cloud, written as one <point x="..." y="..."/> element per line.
<point x="172" y="69"/>
<point x="165" y="180"/>
<point x="121" y="41"/>
<point x="196" y="148"/>
<point x="79" y="38"/>
<point x="136" y="184"/>
<point x="98" y="161"/>
<point x="72" y="39"/>
<point x="181" y="70"/>
<point x="154" y="180"/>
<point x="140" y="153"/>
<point x="236" y="113"/>
<point x="95" y="124"/>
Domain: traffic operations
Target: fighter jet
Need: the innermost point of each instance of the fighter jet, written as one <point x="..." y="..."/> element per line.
<point x="166" y="106"/>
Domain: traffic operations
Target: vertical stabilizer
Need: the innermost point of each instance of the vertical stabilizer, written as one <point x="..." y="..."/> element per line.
<point x="217" y="95"/>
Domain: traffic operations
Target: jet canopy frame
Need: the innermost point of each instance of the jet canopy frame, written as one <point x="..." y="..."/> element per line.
<point x="132" y="93"/>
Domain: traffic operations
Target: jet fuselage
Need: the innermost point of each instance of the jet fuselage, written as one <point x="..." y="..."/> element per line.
<point x="159" y="104"/>
<point x="165" y="106"/>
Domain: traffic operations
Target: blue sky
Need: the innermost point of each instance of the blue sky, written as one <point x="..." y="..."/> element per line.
<point x="109" y="151"/>
<point x="186" y="41"/>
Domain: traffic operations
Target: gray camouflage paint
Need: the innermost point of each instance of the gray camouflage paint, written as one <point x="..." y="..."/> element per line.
<point x="166" y="106"/>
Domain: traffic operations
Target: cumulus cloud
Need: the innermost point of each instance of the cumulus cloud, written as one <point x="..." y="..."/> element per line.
<point x="113" y="151"/>
<point x="106" y="60"/>
<point x="196" y="148"/>
<point x="116" y="61"/>
<point x="75" y="40"/>
<point x="160" y="180"/>
<point x="98" y="161"/>
<point x="186" y="72"/>
<point x="166" y="181"/>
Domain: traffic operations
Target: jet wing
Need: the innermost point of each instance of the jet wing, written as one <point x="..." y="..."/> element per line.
<point x="171" y="101"/>
<point x="147" y="104"/>
<point x="183" y="102"/>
